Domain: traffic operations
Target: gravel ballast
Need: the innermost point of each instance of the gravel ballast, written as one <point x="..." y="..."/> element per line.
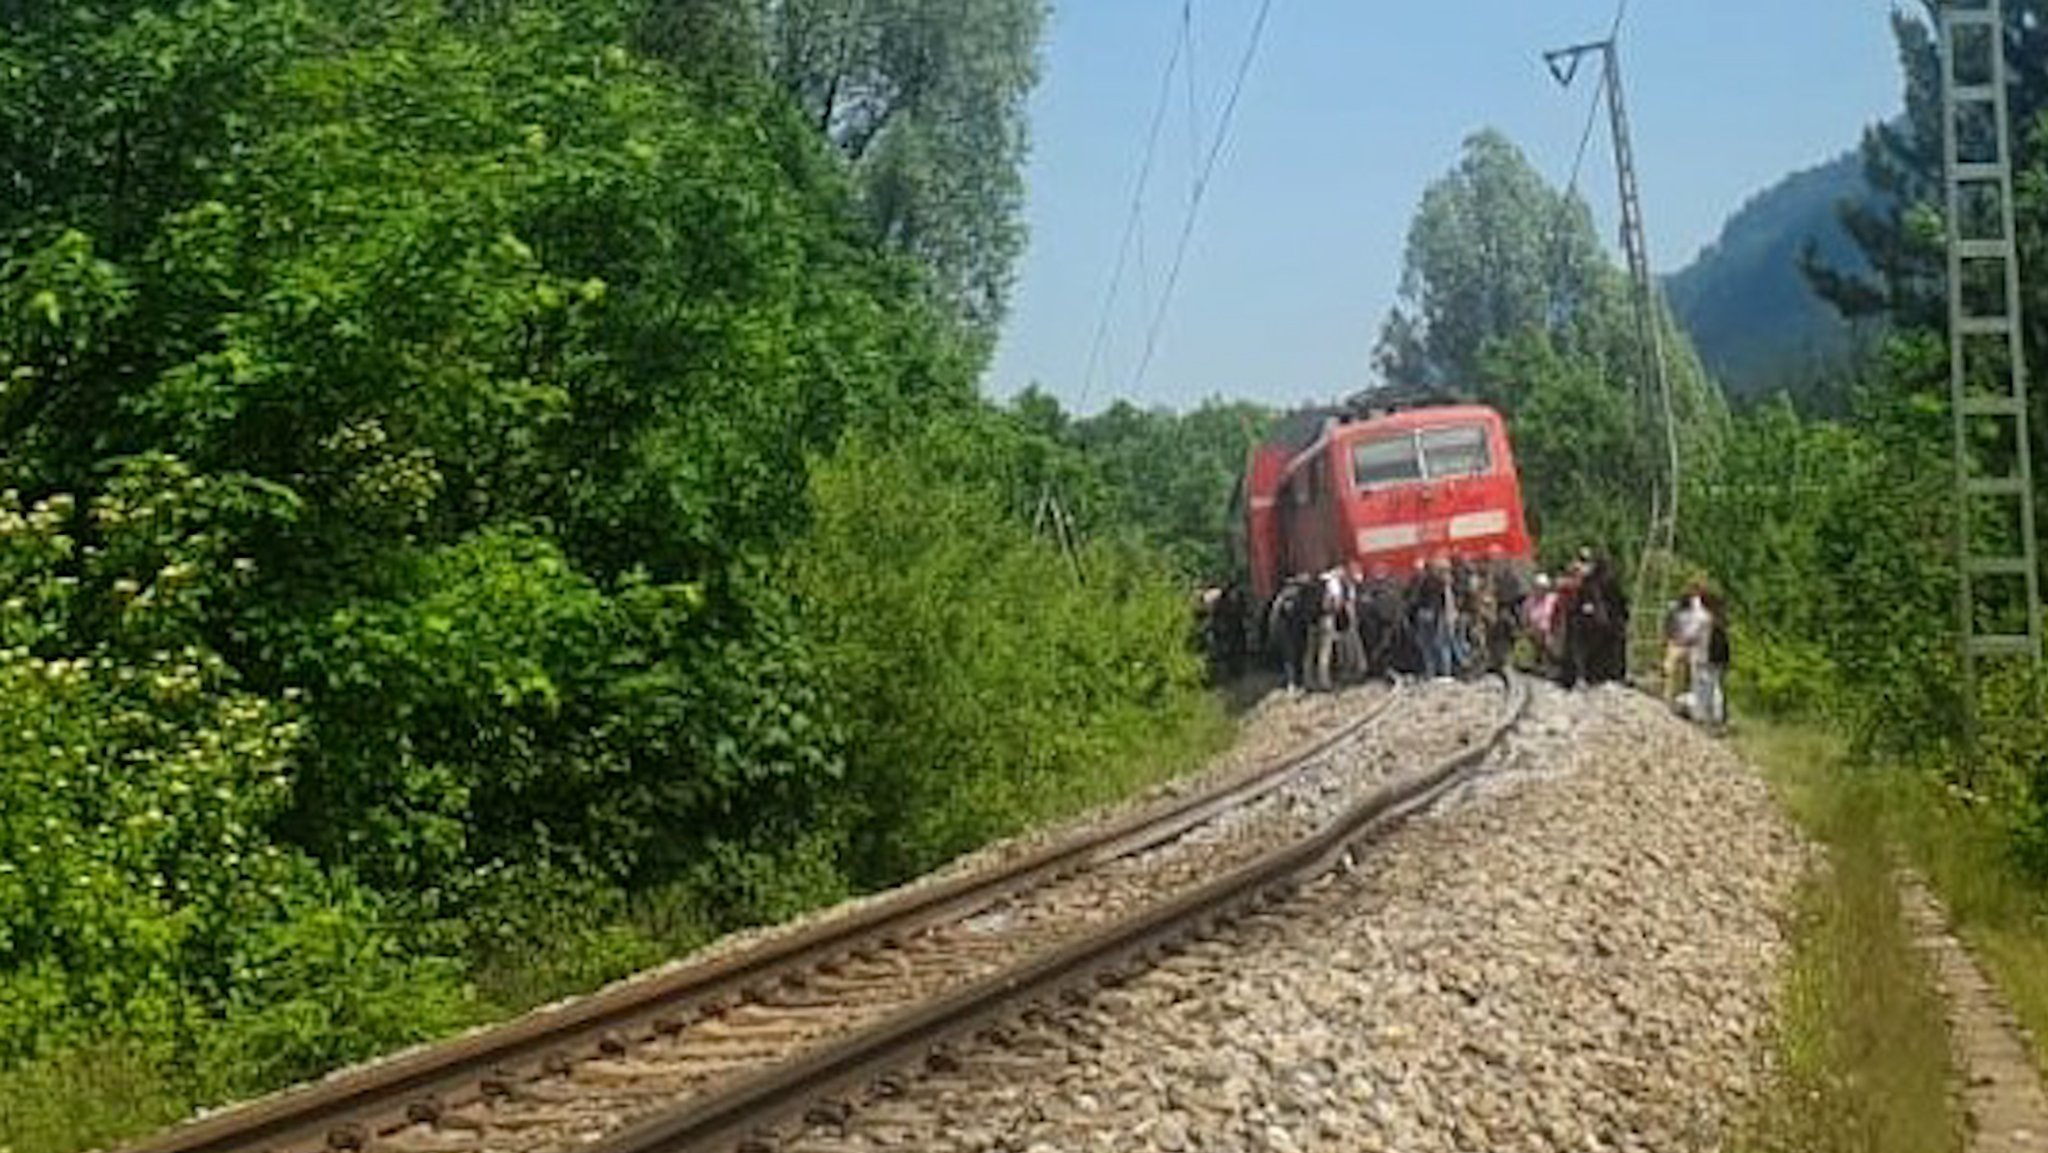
<point x="1577" y="952"/>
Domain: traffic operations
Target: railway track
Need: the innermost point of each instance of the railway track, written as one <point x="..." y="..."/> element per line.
<point x="766" y="1034"/>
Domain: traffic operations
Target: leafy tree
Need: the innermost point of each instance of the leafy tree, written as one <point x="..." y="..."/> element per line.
<point x="1492" y="252"/>
<point x="1839" y="568"/>
<point x="142" y="888"/>
<point x="1170" y="475"/>
<point x="924" y="99"/>
<point x="1579" y="445"/>
<point x="1900" y="233"/>
<point x="539" y="343"/>
<point x="423" y="529"/>
<point x="1507" y="297"/>
<point x="983" y="683"/>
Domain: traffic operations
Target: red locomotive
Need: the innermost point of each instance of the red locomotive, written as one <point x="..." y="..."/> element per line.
<point x="1379" y="492"/>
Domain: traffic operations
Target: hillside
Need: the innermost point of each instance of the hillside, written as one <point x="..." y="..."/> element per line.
<point x="1757" y="324"/>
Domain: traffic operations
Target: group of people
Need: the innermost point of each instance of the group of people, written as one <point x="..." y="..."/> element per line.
<point x="1577" y="624"/>
<point x="1453" y="617"/>
<point x="1449" y="617"/>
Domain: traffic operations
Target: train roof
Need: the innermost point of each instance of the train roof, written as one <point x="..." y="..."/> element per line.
<point x="1413" y="418"/>
<point x="1335" y="429"/>
<point x="1299" y="431"/>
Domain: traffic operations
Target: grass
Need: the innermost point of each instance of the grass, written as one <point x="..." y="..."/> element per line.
<point x="1862" y="1048"/>
<point x="86" y="1098"/>
<point x="1997" y="908"/>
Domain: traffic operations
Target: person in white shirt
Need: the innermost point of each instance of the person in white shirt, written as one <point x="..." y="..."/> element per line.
<point x="1692" y="627"/>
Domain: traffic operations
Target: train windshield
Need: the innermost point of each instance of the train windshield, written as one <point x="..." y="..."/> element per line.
<point x="1432" y="454"/>
<point x="1388" y="460"/>
<point x="1459" y="451"/>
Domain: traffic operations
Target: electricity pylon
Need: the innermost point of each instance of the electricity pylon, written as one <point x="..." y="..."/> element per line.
<point x="1995" y="530"/>
<point x="1654" y="385"/>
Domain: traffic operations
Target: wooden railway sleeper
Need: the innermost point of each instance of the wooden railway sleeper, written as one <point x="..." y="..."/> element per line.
<point x="425" y="1110"/>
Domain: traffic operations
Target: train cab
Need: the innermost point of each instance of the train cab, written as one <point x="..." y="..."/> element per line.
<point x="1384" y="493"/>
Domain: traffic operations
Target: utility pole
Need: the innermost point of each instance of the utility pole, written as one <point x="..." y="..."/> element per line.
<point x="1998" y="562"/>
<point x="1654" y="385"/>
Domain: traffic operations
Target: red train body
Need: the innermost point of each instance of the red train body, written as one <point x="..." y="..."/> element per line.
<point x="1381" y="493"/>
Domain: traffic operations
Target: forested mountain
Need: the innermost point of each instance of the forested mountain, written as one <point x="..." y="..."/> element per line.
<point x="1755" y="318"/>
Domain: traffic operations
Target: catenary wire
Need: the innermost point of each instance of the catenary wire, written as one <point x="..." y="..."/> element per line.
<point x="1216" y="147"/>
<point x="1133" y="222"/>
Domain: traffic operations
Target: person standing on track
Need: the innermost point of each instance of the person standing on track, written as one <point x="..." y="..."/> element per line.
<point x="1281" y="618"/>
<point x="1231" y="629"/>
<point x="1539" y="611"/>
<point x="1298" y="621"/>
<point x="1332" y="606"/>
<point x="1435" y="618"/>
<point x="1695" y="628"/>
<point x="1381" y="623"/>
<point x="1596" y="632"/>
<point x="1351" y="655"/>
<point x="1688" y="626"/>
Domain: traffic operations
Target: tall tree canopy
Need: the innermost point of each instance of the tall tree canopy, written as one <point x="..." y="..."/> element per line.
<point x="1508" y="296"/>
<point x="1900" y="232"/>
<point x="925" y="101"/>
<point x="1493" y="251"/>
<point x="427" y="521"/>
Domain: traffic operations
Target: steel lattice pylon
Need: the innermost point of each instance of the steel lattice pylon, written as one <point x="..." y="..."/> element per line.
<point x="1660" y="543"/>
<point x="1995" y="528"/>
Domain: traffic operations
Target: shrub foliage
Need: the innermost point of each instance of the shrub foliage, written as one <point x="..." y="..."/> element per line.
<point x="426" y="530"/>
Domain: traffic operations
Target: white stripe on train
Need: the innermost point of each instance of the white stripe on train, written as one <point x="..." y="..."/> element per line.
<point x="1395" y="537"/>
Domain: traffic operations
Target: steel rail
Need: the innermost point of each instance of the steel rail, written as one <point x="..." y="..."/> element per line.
<point x="745" y="1115"/>
<point x="348" y="1110"/>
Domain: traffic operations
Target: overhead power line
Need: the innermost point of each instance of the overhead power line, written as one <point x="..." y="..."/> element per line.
<point x="1187" y="34"/>
<point x="1571" y="187"/>
<point x="1133" y="220"/>
<point x="1202" y="182"/>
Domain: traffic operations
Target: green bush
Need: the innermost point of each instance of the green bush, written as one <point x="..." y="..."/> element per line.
<point x="984" y="678"/>
<point x="2007" y="761"/>
<point x="142" y="892"/>
<point x="445" y="614"/>
<point x="1783" y="676"/>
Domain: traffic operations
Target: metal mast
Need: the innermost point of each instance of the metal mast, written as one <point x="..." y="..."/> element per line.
<point x="1998" y="573"/>
<point x="1660" y="544"/>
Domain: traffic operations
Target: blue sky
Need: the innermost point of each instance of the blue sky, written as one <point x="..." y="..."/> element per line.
<point x="1351" y="109"/>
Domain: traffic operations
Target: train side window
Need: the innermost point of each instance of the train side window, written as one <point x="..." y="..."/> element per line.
<point x="1318" y="481"/>
<point x="1458" y="451"/>
<point x="1387" y="460"/>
